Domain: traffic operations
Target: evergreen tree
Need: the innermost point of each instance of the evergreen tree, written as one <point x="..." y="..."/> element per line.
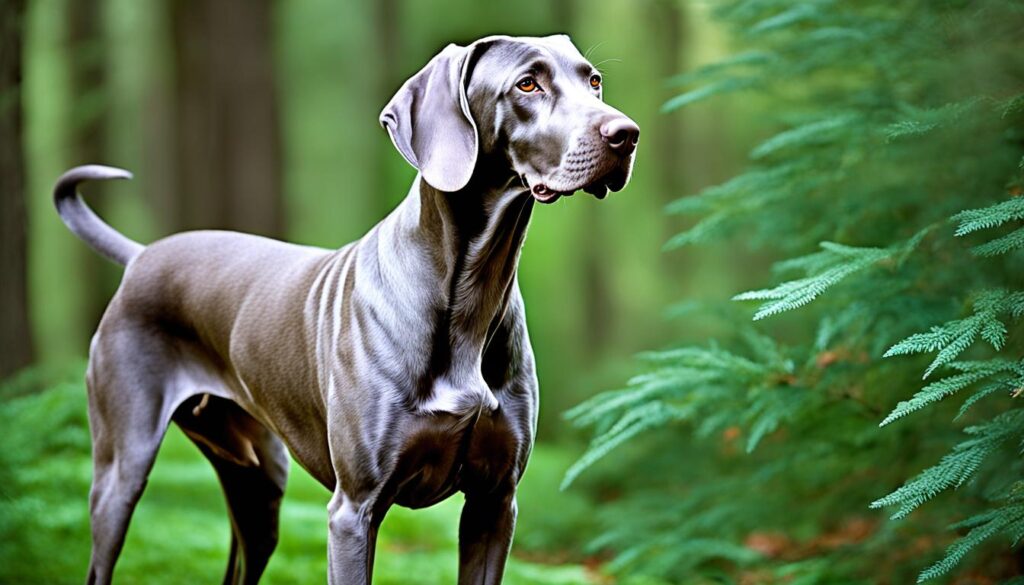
<point x="893" y="191"/>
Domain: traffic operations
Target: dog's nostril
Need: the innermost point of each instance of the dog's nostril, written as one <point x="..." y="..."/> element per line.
<point x="621" y="134"/>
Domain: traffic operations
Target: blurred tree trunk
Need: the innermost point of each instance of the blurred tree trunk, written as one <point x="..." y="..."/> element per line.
<point x="227" y="147"/>
<point x="667" y="20"/>
<point x="387" y="185"/>
<point x="15" y="334"/>
<point x="597" y="301"/>
<point x="563" y="14"/>
<point x="90" y="107"/>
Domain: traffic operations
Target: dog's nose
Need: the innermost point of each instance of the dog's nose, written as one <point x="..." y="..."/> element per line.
<point x="621" y="134"/>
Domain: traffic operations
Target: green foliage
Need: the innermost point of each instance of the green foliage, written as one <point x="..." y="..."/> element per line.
<point x="892" y="189"/>
<point x="952" y="338"/>
<point x="682" y="389"/>
<point x="973" y="220"/>
<point x="956" y="467"/>
<point x="824" y="270"/>
<point x="971" y="374"/>
<point x="1007" y="519"/>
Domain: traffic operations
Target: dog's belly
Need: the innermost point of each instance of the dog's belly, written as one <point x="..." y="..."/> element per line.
<point x="442" y="454"/>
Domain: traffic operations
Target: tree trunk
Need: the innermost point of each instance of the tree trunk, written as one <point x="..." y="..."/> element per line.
<point x="667" y="19"/>
<point x="596" y="298"/>
<point x="15" y="333"/>
<point x="388" y="40"/>
<point x="227" y="144"/>
<point x="90" y="109"/>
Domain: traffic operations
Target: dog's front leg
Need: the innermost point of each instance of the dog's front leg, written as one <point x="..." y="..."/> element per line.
<point x="485" y="535"/>
<point x="352" y="537"/>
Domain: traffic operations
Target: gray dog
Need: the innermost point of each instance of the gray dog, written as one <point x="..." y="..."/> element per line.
<point x="396" y="370"/>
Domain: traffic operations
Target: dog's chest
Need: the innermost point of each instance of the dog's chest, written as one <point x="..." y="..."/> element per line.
<point x="442" y="454"/>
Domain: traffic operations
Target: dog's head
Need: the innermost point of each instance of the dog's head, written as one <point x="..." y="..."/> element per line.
<point x="533" y="103"/>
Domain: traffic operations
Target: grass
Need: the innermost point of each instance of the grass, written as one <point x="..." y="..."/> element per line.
<point x="180" y="534"/>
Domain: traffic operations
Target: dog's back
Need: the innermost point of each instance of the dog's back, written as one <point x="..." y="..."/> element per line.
<point x="234" y="307"/>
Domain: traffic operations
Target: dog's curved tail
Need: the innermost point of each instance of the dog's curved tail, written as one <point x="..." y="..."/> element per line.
<point x="83" y="222"/>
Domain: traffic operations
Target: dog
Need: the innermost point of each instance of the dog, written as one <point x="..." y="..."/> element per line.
<point x="396" y="370"/>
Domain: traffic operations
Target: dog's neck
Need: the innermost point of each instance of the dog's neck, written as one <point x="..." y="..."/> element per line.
<point x="481" y="233"/>
<point x="472" y="241"/>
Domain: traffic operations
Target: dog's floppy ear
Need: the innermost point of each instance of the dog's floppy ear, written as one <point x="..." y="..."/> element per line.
<point x="430" y="123"/>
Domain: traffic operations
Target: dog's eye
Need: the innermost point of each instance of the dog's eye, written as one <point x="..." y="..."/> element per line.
<point x="527" y="84"/>
<point x="595" y="81"/>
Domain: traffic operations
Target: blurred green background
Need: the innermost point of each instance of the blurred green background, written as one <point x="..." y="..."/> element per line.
<point x="191" y="96"/>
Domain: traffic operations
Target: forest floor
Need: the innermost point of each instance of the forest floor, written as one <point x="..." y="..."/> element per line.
<point x="179" y="533"/>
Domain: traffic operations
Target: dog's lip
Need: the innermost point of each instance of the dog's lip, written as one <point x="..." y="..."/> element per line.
<point x="612" y="181"/>
<point x="544" y="195"/>
<point x="598" y="189"/>
<point x="616" y="179"/>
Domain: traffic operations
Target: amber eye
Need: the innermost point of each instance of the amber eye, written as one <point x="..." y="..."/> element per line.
<point x="595" y="81"/>
<point x="527" y="84"/>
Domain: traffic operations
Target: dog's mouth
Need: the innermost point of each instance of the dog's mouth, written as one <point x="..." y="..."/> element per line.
<point x="611" y="181"/>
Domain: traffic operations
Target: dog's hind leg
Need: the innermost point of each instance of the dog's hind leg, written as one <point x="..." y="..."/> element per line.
<point x="130" y="406"/>
<point x="252" y="465"/>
